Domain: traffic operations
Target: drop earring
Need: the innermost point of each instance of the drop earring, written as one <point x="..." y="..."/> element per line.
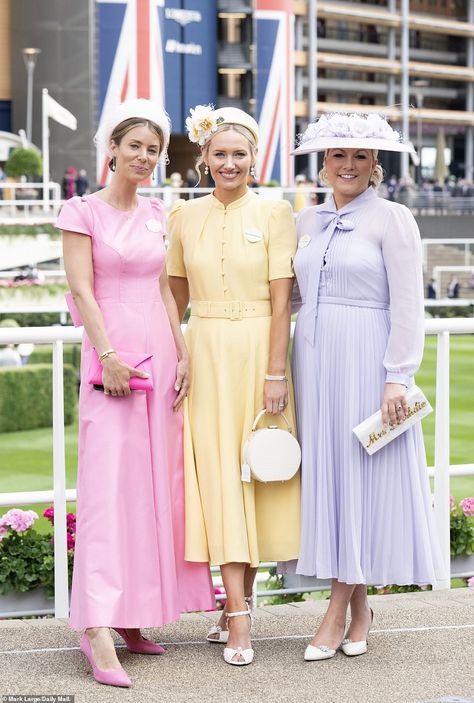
<point x="206" y="170"/>
<point x="113" y="164"/>
<point x="252" y="171"/>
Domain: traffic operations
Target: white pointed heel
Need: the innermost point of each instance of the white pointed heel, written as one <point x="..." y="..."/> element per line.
<point x="313" y="654"/>
<point x="223" y="635"/>
<point x="355" y="649"/>
<point x="246" y="654"/>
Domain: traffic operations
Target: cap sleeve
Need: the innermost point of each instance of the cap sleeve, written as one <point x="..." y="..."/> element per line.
<point x="76" y="216"/>
<point x="174" y="257"/>
<point x="401" y="247"/>
<point x="281" y="241"/>
<point x="158" y="208"/>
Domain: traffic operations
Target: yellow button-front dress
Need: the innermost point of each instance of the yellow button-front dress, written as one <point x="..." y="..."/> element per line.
<point x="231" y="254"/>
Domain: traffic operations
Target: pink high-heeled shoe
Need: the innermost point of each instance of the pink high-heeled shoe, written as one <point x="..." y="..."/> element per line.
<point x="142" y="646"/>
<point x="117" y="677"/>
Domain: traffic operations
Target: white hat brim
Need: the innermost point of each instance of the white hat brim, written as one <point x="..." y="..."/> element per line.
<point x="323" y="143"/>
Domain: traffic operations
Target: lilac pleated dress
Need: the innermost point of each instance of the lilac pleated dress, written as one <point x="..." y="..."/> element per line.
<point x="365" y="519"/>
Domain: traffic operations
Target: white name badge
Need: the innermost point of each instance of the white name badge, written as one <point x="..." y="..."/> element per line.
<point x="253" y="235"/>
<point x="304" y="241"/>
<point x="153" y="225"/>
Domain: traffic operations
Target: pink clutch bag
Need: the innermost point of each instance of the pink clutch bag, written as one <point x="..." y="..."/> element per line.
<point x="139" y="361"/>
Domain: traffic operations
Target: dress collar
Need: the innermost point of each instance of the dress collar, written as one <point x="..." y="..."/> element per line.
<point x="366" y="196"/>
<point x="235" y="204"/>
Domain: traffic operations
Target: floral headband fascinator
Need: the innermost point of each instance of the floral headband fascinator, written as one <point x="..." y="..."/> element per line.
<point x="351" y="131"/>
<point x="204" y="121"/>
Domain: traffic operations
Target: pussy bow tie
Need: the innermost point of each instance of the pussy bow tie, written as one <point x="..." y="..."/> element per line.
<point x="327" y="222"/>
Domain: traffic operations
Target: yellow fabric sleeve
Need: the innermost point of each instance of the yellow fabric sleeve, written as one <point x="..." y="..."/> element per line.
<point x="174" y="256"/>
<point x="281" y="241"/>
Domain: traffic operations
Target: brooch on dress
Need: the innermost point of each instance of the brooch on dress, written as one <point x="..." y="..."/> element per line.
<point x="153" y="225"/>
<point x="304" y="241"/>
<point x="253" y="235"/>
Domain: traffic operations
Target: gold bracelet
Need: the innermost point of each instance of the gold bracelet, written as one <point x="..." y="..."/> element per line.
<point x="107" y="353"/>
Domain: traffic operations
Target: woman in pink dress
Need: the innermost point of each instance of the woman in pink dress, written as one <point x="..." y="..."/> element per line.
<point x="129" y="567"/>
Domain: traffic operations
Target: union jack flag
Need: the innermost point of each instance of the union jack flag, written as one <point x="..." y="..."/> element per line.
<point x="275" y="89"/>
<point x="129" y="34"/>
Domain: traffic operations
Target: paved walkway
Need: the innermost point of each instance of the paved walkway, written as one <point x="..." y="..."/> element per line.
<point x="421" y="649"/>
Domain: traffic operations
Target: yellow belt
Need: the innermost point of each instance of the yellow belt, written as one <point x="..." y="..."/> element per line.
<point x="231" y="309"/>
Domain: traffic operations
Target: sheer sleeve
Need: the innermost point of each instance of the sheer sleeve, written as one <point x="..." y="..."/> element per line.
<point x="76" y="216"/>
<point x="174" y="257"/>
<point x="401" y="248"/>
<point x="281" y="241"/>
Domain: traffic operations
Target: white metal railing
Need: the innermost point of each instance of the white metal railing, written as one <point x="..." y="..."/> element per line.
<point x="58" y="336"/>
<point x="46" y="209"/>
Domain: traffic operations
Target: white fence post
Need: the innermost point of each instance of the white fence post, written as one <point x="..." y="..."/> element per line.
<point x="441" y="481"/>
<point x="61" y="590"/>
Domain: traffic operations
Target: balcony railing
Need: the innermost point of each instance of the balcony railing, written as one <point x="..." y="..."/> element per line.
<point x="58" y="336"/>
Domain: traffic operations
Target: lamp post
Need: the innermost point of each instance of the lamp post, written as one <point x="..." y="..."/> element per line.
<point x="419" y="85"/>
<point x="30" y="56"/>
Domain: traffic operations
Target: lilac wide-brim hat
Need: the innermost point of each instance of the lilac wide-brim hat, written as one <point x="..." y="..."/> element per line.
<point x="351" y="131"/>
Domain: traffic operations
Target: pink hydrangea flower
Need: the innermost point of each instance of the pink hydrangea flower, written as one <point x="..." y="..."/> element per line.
<point x="452" y="503"/>
<point x="470" y="582"/>
<point x="467" y="504"/>
<point x="19" y="520"/>
<point x="3" y="531"/>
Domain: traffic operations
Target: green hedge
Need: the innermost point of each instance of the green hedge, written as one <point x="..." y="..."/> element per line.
<point x="47" y="228"/>
<point x="43" y="354"/>
<point x="26" y="397"/>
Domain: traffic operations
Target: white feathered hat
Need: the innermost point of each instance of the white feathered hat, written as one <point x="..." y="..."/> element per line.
<point x="351" y="131"/>
<point x="136" y="107"/>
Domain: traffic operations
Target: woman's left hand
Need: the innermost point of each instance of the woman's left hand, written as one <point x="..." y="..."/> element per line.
<point x="181" y="385"/>
<point x="394" y="405"/>
<point x="275" y="396"/>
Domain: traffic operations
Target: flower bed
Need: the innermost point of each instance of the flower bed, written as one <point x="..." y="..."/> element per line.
<point x="26" y="556"/>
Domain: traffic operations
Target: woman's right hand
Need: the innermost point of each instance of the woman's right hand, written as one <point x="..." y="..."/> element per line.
<point x="116" y="376"/>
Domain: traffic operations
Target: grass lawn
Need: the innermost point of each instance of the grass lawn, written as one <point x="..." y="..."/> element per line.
<point x="26" y="457"/>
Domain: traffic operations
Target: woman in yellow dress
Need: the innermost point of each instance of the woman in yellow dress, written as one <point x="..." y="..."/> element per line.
<point x="231" y="254"/>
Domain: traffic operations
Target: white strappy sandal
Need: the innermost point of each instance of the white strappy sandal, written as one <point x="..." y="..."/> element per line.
<point x="223" y="635"/>
<point x="246" y="654"/>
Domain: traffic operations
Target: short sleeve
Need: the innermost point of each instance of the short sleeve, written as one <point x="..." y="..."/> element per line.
<point x="401" y="247"/>
<point x="174" y="257"/>
<point x="76" y="216"/>
<point x="281" y="241"/>
<point x="158" y="208"/>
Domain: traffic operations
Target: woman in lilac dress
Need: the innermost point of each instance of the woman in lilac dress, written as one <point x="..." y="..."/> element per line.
<point x="358" y="342"/>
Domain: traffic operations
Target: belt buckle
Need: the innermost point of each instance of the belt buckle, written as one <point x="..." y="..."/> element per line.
<point x="235" y="310"/>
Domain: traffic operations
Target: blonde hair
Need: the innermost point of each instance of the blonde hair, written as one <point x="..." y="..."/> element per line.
<point x="226" y="128"/>
<point x="376" y="176"/>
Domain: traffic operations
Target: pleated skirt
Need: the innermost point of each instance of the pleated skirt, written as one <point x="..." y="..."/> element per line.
<point x="365" y="519"/>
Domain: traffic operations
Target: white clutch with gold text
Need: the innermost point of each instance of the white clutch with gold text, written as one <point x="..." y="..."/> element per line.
<point x="373" y="435"/>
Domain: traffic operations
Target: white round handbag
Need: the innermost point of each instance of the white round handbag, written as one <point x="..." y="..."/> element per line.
<point x="272" y="454"/>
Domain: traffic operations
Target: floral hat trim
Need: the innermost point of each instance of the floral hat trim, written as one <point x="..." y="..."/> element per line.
<point x="371" y="131"/>
<point x="202" y="123"/>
